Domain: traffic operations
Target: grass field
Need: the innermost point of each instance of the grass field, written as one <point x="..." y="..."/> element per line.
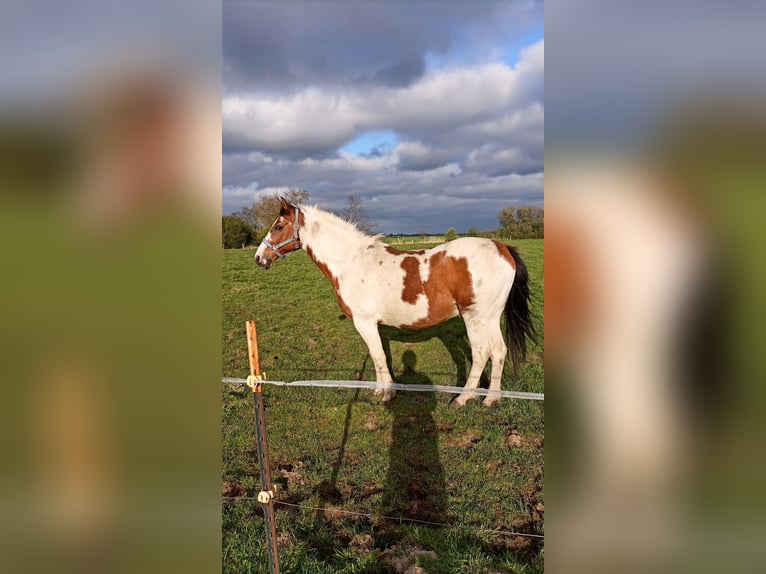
<point x="340" y="450"/>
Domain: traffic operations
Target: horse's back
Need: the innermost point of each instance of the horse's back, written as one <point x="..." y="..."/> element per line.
<point x="484" y="255"/>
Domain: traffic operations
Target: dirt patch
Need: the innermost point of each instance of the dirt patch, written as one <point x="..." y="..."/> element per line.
<point x="443" y="426"/>
<point x="465" y="440"/>
<point x="517" y="440"/>
<point x="283" y="541"/>
<point x="328" y="491"/>
<point x="372" y="422"/>
<point x="291" y="475"/>
<point x="494" y="465"/>
<point x="362" y="544"/>
<point x="403" y="560"/>
<point x="232" y="489"/>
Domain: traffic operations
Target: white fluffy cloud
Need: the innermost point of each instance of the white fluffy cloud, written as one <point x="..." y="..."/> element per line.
<point x="315" y="121"/>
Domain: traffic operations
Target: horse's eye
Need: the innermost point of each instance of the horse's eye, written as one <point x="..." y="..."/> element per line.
<point x="279" y="227"/>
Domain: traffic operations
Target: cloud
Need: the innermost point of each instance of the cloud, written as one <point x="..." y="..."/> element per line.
<point x="308" y="123"/>
<point x="446" y="194"/>
<point x="415" y="156"/>
<point x="278" y="47"/>
<point x="458" y="94"/>
<point x="316" y="122"/>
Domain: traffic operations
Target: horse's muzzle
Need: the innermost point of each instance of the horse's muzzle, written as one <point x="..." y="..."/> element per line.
<point x="264" y="262"/>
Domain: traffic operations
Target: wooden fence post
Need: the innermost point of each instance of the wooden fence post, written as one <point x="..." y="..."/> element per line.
<point x="267" y="490"/>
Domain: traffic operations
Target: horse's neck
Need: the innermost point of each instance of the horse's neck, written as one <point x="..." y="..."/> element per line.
<point x="330" y="241"/>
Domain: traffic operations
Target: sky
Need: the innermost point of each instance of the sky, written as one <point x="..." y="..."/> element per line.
<point x="430" y="112"/>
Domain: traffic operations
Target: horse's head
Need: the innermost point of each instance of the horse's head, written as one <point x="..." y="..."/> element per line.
<point x="282" y="238"/>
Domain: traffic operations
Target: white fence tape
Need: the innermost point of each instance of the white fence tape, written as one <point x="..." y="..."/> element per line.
<point x="395" y="386"/>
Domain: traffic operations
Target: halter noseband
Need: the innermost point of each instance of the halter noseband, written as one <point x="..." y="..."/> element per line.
<point x="293" y="239"/>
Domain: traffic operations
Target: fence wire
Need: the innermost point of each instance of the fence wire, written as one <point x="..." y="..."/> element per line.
<point x="391" y="518"/>
<point x="397" y="387"/>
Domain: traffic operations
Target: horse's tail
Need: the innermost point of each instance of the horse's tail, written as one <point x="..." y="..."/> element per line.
<point x="518" y="319"/>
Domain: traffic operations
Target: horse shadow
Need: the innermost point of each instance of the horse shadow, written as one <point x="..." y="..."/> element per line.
<point x="453" y="336"/>
<point x="415" y="484"/>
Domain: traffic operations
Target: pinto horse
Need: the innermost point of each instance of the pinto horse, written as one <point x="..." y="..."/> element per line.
<point x="376" y="284"/>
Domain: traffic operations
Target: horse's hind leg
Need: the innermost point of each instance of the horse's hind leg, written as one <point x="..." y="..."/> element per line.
<point x="480" y="351"/>
<point x="369" y="332"/>
<point x="498" y="351"/>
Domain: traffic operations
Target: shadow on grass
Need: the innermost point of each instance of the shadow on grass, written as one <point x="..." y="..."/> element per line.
<point x="415" y="484"/>
<point x="451" y="333"/>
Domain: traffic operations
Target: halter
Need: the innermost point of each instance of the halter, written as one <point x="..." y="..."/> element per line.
<point x="293" y="239"/>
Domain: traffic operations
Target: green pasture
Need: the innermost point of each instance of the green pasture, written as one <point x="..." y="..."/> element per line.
<point x="475" y="469"/>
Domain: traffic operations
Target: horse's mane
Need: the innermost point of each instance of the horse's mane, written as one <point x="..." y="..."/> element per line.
<point x="341" y="225"/>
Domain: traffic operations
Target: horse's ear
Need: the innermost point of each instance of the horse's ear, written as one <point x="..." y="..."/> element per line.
<point x="284" y="206"/>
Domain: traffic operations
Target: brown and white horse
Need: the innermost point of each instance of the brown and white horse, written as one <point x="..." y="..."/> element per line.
<point x="376" y="284"/>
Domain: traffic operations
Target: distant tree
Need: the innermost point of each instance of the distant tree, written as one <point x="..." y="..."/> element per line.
<point x="451" y="234"/>
<point x="248" y="215"/>
<point x="527" y="221"/>
<point x="236" y="233"/>
<point x="356" y="213"/>
<point x="266" y="209"/>
<point x="532" y="220"/>
<point x="473" y="232"/>
<point x="508" y="222"/>
<point x="296" y="195"/>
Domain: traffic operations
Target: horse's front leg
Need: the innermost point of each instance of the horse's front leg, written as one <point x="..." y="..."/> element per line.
<point x="369" y="332"/>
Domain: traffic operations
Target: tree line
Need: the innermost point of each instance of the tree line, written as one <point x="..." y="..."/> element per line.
<point x="249" y="225"/>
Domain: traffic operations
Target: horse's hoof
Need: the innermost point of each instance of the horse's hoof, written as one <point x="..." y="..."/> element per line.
<point x="456" y="404"/>
<point x="377" y="392"/>
<point x="490" y="402"/>
<point x="387" y="398"/>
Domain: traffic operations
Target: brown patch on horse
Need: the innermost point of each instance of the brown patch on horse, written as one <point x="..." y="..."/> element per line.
<point x="333" y="279"/>
<point x="449" y="288"/>
<point x="505" y="253"/>
<point x="394" y="251"/>
<point x="413" y="284"/>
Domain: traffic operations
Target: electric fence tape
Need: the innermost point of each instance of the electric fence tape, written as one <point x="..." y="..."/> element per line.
<point x="395" y="386"/>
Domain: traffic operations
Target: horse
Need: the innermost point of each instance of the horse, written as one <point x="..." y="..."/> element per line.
<point x="375" y="284"/>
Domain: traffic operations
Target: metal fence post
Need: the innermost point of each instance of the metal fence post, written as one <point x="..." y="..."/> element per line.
<point x="265" y="497"/>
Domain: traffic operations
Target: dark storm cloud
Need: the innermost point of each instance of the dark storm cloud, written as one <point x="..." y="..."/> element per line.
<point x="270" y="46"/>
<point x="445" y="196"/>
<point x="282" y="46"/>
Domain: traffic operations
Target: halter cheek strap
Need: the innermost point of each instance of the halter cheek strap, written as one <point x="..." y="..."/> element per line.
<point x="293" y="239"/>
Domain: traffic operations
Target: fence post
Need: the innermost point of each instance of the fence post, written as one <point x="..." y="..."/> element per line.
<point x="267" y="490"/>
